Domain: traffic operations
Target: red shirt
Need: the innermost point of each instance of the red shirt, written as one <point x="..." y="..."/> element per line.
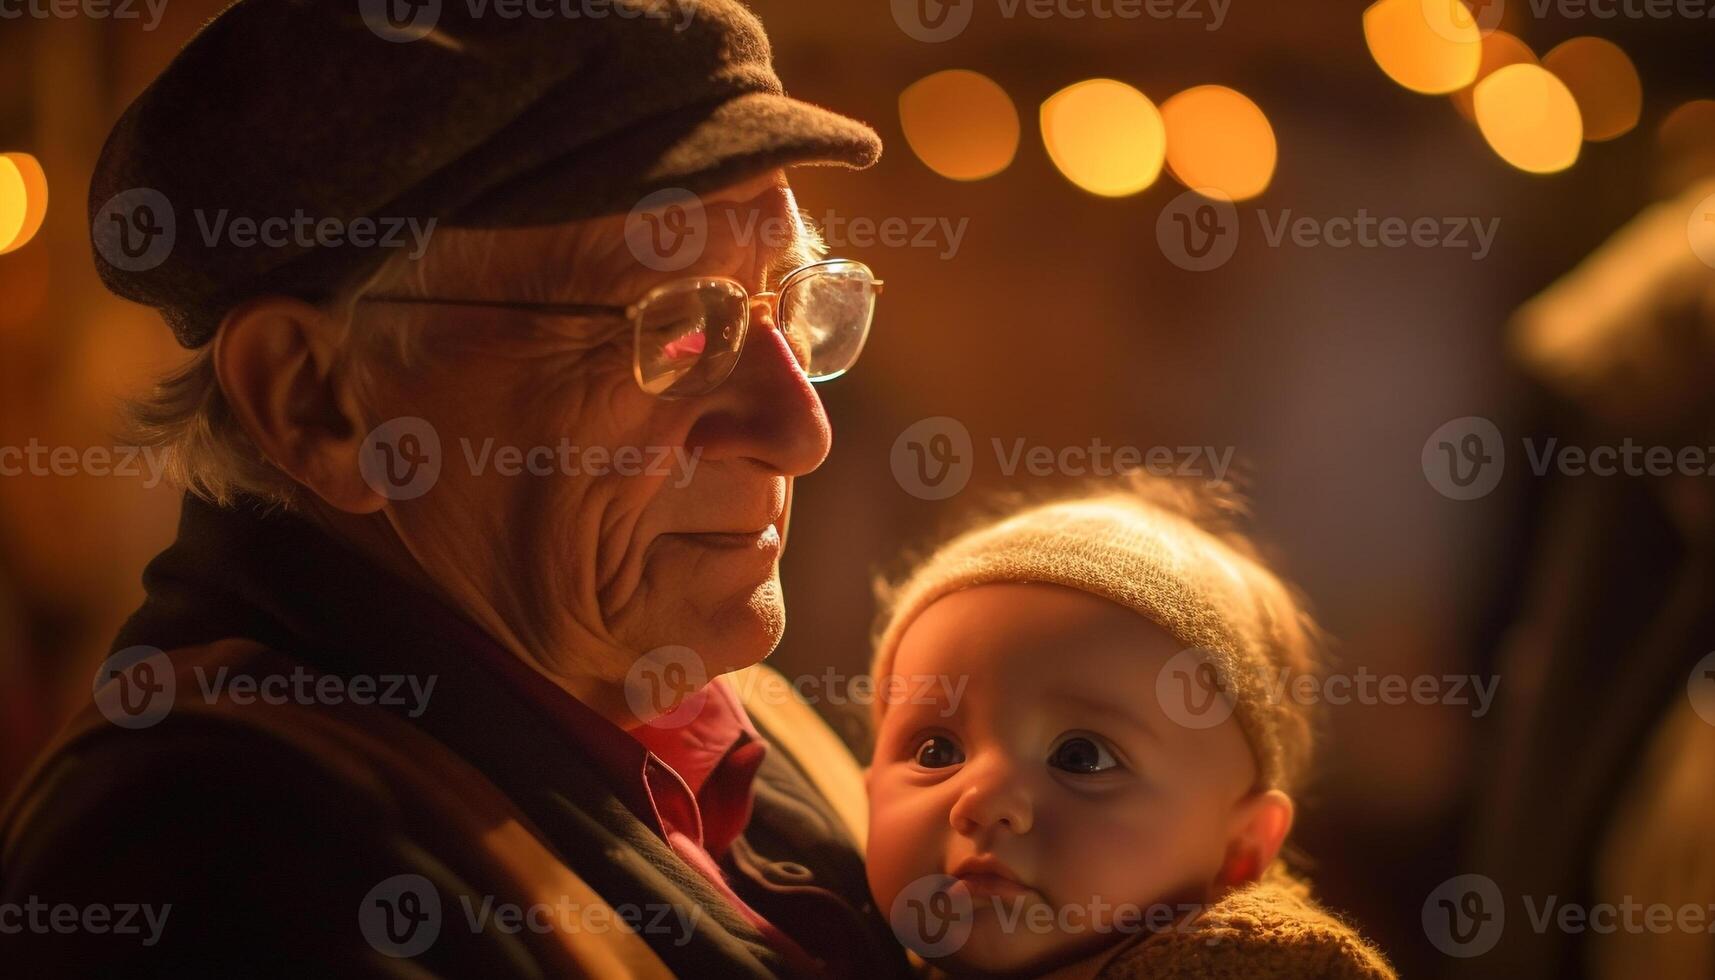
<point x="689" y="782"/>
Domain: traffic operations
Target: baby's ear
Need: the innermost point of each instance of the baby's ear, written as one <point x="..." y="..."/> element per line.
<point x="1259" y="827"/>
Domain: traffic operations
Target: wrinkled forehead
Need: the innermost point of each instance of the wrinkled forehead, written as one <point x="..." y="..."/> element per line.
<point x="750" y="231"/>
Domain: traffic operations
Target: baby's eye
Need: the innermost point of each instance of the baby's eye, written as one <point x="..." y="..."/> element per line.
<point x="938" y="752"/>
<point x="1082" y="754"/>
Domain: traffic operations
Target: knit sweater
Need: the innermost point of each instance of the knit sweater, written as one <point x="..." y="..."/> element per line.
<point x="1269" y="929"/>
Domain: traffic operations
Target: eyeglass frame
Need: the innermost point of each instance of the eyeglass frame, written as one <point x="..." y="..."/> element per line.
<point x="630" y="311"/>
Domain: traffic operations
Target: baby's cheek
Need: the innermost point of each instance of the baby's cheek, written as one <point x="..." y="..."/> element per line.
<point x="1108" y="856"/>
<point x="906" y="839"/>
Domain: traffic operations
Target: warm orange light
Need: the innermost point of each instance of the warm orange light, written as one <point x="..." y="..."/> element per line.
<point x="23" y="199"/>
<point x="1217" y="138"/>
<point x="1604" y="82"/>
<point x="1500" y="49"/>
<point x="1530" y="118"/>
<point x="960" y="124"/>
<point x="1105" y="136"/>
<point x="1429" y="46"/>
<point x="1689" y="125"/>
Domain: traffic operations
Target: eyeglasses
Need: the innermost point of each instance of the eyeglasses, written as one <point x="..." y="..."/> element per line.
<point x="687" y="334"/>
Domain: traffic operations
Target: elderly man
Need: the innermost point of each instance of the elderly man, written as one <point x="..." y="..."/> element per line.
<point x="485" y="515"/>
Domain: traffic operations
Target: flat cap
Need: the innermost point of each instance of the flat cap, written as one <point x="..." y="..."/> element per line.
<point x="291" y="141"/>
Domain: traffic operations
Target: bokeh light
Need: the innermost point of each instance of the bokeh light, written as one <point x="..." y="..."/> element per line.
<point x="960" y="124"/>
<point x="23" y="200"/>
<point x="1687" y="141"/>
<point x="1218" y="138"/>
<point x="1604" y="82"/>
<point x="1423" y="45"/>
<point x="1530" y="118"/>
<point x="1500" y="49"/>
<point x="1105" y="136"/>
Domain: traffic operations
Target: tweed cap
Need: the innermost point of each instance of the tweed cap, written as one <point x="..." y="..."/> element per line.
<point x="333" y="125"/>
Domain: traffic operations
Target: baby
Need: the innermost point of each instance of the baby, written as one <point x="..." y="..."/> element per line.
<point x="1109" y="789"/>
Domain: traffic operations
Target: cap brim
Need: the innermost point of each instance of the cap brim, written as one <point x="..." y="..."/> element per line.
<point x="698" y="150"/>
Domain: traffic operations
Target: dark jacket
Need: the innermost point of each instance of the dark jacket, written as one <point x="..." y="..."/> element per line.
<point x="276" y="833"/>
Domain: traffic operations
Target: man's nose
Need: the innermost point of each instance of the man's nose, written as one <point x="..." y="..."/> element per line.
<point x="766" y="409"/>
<point x="993" y="799"/>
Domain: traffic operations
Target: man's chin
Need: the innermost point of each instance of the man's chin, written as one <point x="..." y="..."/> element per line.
<point x="745" y="628"/>
<point x="727" y="632"/>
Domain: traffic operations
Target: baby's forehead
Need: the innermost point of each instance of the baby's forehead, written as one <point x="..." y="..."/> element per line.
<point x="1036" y="643"/>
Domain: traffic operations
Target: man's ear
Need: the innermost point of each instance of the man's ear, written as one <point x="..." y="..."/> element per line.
<point x="275" y="359"/>
<point x="1259" y="827"/>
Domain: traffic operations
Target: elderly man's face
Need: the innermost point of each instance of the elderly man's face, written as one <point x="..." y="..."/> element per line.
<point x="647" y="522"/>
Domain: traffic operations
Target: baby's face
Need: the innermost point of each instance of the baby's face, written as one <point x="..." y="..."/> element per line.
<point x="1056" y="789"/>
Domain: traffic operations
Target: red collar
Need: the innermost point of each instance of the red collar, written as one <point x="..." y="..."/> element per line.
<point x="694" y="779"/>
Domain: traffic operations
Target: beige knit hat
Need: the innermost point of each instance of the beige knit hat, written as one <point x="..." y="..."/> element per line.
<point x="1156" y="549"/>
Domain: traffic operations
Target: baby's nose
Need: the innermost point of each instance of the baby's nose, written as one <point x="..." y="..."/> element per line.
<point x="992" y="801"/>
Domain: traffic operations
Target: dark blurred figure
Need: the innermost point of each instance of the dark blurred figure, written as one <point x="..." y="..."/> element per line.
<point x="1596" y="831"/>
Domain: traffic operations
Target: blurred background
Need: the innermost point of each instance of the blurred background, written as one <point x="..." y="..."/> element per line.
<point x="1049" y="282"/>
